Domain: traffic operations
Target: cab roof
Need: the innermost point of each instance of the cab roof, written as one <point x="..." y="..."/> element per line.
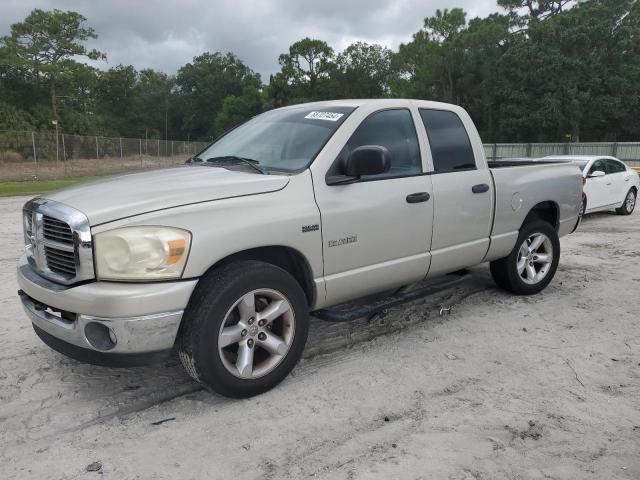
<point x="379" y="102"/>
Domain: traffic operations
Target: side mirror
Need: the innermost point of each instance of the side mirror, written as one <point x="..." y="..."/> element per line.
<point x="368" y="160"/>
<point x="597" y="173"/>
<point x="364" y="160"/>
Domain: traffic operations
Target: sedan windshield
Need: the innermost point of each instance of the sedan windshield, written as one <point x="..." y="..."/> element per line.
<point x="285" y="140"/>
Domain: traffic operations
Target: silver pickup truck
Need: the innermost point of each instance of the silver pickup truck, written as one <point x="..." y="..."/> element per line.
<point x="297" y="210"/>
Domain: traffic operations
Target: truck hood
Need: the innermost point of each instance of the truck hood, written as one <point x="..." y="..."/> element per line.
<point x="133" y="194"/>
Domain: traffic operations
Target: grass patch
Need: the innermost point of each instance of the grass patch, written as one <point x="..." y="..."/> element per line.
<point x="34" y="187"/>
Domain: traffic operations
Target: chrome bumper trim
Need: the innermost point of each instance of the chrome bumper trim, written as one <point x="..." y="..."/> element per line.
<point x="141" y="334"/>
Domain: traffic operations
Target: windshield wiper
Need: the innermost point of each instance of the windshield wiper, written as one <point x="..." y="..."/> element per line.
<point x="255" y="164"/>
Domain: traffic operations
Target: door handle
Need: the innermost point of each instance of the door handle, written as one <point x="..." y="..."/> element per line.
<point x="418" y="197"/>
<point x="480" y="188"/>
<point x="627" y="179"/>
<point x="609" y="183"/>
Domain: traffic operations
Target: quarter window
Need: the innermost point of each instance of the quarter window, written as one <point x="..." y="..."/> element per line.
<point x="450" y="145"/>
<point x="394" y="130"/>
<point x="613" y="166"/>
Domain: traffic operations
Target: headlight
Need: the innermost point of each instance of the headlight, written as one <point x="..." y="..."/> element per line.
<point x="141" y="253"/>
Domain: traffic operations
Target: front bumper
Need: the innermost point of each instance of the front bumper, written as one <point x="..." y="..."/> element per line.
<point x="118" y="320"/>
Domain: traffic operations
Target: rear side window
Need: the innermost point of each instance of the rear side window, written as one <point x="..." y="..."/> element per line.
<point x="614" y="166"/>
<point x="395" y="130"/>
<point x="450" y="145"/>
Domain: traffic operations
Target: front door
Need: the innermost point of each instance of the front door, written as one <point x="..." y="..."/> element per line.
<point x="376" y="235"/>
<point x="597" y="189"/>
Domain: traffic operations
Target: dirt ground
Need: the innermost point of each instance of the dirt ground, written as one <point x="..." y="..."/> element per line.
<point x="502" y="387"/>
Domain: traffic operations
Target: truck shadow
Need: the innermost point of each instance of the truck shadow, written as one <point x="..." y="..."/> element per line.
<point x="47" y="388"/>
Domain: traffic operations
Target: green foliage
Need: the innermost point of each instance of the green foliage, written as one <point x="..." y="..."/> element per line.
<point x="236" y="110"/>
<point x="540" y="72"/>
<point x="34" y="187"/>
<point x="11" y="118"/>
<point x="43" y="46"/>
<point x="362" y="71"/>
<point x="305" y="71"/>
<point x="203" y="85"/>
<point x="537" y="71"/>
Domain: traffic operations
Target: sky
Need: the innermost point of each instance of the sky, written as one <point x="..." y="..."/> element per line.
<point x="165" y="34"/>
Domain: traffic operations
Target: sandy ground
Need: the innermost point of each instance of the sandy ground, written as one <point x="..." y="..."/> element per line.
<point x="503" y="387"/>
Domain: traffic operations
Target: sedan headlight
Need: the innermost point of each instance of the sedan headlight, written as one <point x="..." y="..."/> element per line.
<point x="141" y="253"/>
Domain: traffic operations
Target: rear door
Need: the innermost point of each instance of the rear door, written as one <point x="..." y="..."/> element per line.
<point x="463" y="194"/>
<point x="619" y="187"/>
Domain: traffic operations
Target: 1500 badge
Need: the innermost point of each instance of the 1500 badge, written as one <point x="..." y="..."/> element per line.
<point x="342" y="241"/>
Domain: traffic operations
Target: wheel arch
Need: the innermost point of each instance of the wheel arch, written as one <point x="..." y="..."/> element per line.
<point x="548" y="211"/>
<point x="287" y="258"/>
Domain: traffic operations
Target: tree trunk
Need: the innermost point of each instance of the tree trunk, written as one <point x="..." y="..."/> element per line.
<point x="52" y="92"/>
<point x="575" y="133"/>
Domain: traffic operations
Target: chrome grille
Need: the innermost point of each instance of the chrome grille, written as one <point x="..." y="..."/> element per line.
<point x="57" y="230"/>
<point x="60" y="261"/>
<point x="58" y="241"/>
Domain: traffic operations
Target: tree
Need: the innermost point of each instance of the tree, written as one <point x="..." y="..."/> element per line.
<point x="361" y="71"/>
<point x="204" y="84"/>
<point x="429" y="65"/>
<point x="238" y="109"/>
<point x="306" y="68"/>
<point x="533" y="9"/>
<point x="45" y="42"/>
<point x="12" y="118"/>
<point x="574" y="74"/>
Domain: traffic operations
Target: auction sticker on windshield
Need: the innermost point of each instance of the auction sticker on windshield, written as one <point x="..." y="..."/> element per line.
<point x="330" y="116"/>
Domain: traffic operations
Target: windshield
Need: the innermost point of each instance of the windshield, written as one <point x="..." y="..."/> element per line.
<point x="286" y="140"/>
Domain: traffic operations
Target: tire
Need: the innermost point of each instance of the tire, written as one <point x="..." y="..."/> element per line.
<point x="220" y="311"/>
<point x="505" y="271"/>
<point x="629" y="203"/>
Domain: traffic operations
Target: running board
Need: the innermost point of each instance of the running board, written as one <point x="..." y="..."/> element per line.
<point x="347" y="312"/>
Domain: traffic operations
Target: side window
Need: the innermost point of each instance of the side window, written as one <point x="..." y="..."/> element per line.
<point x="395" y="130"/>
<point x="598" y="165"/>
<point x="615" y="167"/>
<point x="450" y="145"/>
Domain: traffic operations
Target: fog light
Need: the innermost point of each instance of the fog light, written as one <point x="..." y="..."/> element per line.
<point x="100" y="336"/>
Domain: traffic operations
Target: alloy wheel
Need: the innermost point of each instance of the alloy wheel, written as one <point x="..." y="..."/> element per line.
<point x="630" y="201"/>
<point x="256" y="334"/>
<point x="535" y="258"/>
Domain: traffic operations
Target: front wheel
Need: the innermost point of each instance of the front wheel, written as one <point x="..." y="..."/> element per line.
<point x="245" y="328"/>
<point x="629" y="204"/>
<point x="532" y="263"/>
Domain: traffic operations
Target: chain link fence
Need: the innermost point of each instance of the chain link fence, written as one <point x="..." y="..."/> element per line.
<point x="47" y="155"/>
<point x="628" y="152"/>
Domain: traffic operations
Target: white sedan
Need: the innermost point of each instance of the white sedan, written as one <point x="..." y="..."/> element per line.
<point x="608" y="183"/>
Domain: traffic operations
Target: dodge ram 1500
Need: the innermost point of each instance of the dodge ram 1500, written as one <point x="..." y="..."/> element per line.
<point x="298" y="209"/>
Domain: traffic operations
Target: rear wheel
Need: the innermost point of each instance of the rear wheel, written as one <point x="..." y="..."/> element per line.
<point x="629" y="203"/>
<point x="532" y="263"/>
<point x="245" y="329"/>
